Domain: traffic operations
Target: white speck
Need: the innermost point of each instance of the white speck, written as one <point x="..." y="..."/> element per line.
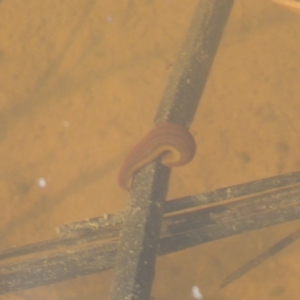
<point x="42" y="182"/>
<point x="196" y="292"/>
<point x="66" y="124"/>
<point x="109" y="18"/>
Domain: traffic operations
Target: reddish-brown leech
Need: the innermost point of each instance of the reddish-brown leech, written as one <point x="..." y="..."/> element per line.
<point x="172" y="142"/>
<point x="293" y="5"/>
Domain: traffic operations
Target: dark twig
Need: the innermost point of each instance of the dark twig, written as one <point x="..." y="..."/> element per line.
<point x="94" y="251"/>
<point x="135" y="261"/>
<point x="279" y="246"/>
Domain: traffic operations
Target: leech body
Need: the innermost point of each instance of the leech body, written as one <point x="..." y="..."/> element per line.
<point x="170" y="141"/>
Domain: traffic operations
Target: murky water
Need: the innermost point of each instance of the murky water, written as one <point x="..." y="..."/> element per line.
<point x="80" y="84"/>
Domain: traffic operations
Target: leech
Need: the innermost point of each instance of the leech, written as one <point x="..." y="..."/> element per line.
<point x="170" y="141"/>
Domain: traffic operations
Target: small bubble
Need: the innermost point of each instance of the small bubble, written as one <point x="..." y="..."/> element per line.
<point x="66" y="124"/>
<point x="42" y="182"/>
<point x="109" y="18"/>
<point x="196" y="292"/>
